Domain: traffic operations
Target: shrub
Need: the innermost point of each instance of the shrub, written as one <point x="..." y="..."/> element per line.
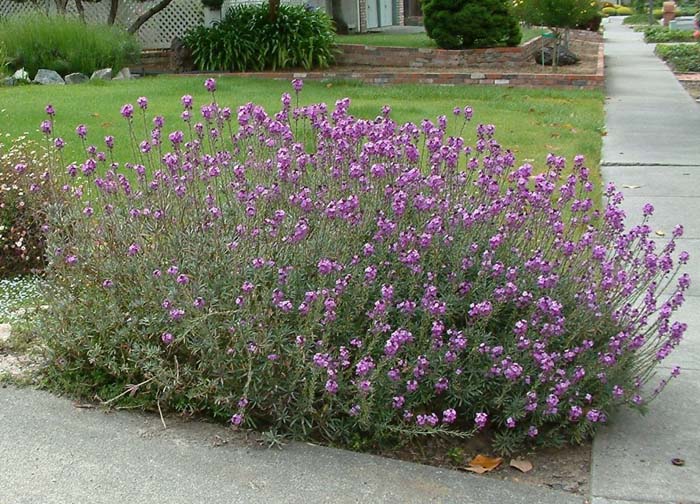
<point x="65" y="44"/>
<point x="464" y="24"/>
<point x="592" y="24"/>
<point x="660" y="34"/>
<point x="609" y="11"/>
<point x="23" y="172"/>
<point x="624" y="11"/>
<point x="321" y="276"/>
<point x="246" y="39"/>
<point x="681" y="57"/>
<point x="557" y="14"/>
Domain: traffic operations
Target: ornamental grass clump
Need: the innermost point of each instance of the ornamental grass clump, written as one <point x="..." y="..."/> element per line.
<point x="315" y="275"/>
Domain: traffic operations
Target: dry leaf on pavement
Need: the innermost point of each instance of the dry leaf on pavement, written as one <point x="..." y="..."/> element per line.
<point x="522" y="465"/>
<point x="482" y="464"/>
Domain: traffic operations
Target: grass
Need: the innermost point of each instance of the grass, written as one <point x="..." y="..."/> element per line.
<point x="531" y="122"/>
<point x="409" y="39"/>
<point x="64" y="44"/>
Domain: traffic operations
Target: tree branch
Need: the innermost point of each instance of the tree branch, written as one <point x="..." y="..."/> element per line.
<point x="113" y="8"/>
<point x="148" y="15"/>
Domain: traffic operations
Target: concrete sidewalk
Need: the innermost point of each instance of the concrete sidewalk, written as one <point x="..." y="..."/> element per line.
<point x="653" y="142"/>
<point x="52" y="452"/>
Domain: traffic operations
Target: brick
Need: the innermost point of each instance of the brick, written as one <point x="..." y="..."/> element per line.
<point x="477" y="76"/>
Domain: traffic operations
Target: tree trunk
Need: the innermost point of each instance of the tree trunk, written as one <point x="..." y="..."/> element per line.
<point x="61" y="6"/>
<point x="148" y="15"/>
<point x="113" y="8"/>
<point x="274" y="8"/>
<point x="81" y="9"/>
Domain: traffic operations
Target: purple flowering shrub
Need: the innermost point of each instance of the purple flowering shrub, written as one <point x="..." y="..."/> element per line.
<point x="323" y="276"/>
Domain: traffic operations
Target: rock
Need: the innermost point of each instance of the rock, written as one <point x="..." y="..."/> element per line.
<point x="566" y="57"/>
<point x="77" y="78"/>
<point x="123" y="74"/>
<point x="44" y="76"/>
<point x="5" y="331"/>
<point x="21" y="75"/>
<point x="103" y="74"/>
<point x="9" y="81"/>
<point x="180" y="56"/>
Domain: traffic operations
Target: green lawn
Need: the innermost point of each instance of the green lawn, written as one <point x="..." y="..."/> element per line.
<point x="409" y="39"/>
<point x="530" y="122"/>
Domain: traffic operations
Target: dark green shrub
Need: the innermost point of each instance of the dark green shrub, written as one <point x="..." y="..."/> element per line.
<point x="463" y="24"/>
<point x="661" y="34"/>
<point x="592" y="24"/>
<point x="681" y="57"/>
<point x="246" y="39"/>
<point x="65" y="44"/>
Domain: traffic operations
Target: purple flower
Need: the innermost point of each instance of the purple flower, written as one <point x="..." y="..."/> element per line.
<point x="134" y="249"/>
<point x="449" y="416"/>
<point x="480" y="419"/>
<point x="167" y="338"/>
<point x="49" y="110"/>
<point x="71" y="260"/>
<point x="297" y="84"/>
<point x="331" y="386"/>
<point x="237" y="419"/>
<point x="46" y="127"/>
<point x="210" y="85"/>
<point x="199" y="303"/>
<point x="109" y="141"/>
<point x="142" y="102"/>
<point x="127" y="111"/>
<point x="187" y="102"/>
<point x="510" y="423"/>
<point x="107" y="284"/>
<point x="182" y="279"/>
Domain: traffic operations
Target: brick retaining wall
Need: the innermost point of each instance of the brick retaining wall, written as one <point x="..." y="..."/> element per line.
<point x="412" y="57"/>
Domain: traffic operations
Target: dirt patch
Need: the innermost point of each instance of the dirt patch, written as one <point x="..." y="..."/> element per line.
<point x="692" y="87"/>
<point x="567" y="468"/>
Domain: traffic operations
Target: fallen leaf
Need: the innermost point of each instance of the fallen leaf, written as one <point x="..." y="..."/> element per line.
<point x="482" y="464"/>
<point x="95" y="114"/>
<point x="660" y="233"/>
<point x="678" y="462"/>
<point x="631" y="186"/>
<point x="521" y="465"/>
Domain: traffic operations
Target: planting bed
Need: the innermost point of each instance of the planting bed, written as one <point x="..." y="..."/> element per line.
<point x="506" y="66"/>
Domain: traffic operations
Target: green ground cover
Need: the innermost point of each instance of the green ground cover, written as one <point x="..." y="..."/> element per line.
<point x="409" y="39"/>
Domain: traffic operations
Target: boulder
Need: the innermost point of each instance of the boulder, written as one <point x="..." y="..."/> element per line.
<point x="546" y="56"/>
<point x="123" y="74"/>
<point x="9" y="81"/>
<point x="44" y="76"/>
<point x="21" y="75"/>
<point x="103" y="74"/>
<point x="180" y="56"/>
<point x="77" y="78"/>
